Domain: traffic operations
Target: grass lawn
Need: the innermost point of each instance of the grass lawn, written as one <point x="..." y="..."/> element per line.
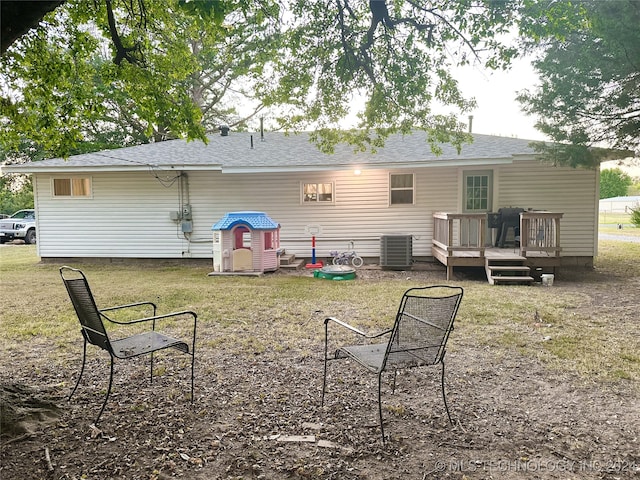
<point x="614" y="218"/>
<point x="539" y="379"/>
<point x="247" y="314"/>
<point x="609" y="224"/>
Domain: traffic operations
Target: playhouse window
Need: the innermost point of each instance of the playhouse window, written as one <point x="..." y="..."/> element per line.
<point x="317" y="192"/>
<point x="72" y="187"/>
<point x="241" y="237"/>
<point x="401" y="186"/>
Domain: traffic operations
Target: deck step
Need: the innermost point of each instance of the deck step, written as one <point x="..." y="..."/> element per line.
<point x="291" y="262"/>
<point x="297" y="264"/>
<point x="508" y="268"/>
<point x="287" y="259"/>
<point x="496" y="279"/>
<point x="510" y="258"/>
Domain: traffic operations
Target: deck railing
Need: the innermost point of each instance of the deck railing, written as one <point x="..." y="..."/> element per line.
<point x="540" y="233"/>
<point x="460" y="232"/>
<point x="466" y="232"/>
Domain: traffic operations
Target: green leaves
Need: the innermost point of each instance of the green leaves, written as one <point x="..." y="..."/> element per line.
<point x="182" y="67"/>
<point x="64" y="92"/>
<point x="614" y="183"/>
<point x="398" y="67"/>
<point x="589" y="93"/>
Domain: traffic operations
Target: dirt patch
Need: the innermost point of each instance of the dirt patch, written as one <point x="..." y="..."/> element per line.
<point x="259" y="416"/>
<point x="23" y="410"/>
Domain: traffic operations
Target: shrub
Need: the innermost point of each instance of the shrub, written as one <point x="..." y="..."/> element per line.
<point x="635" y="216"/>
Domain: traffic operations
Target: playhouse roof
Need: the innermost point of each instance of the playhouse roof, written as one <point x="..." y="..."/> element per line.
<point x="255" y="220"/>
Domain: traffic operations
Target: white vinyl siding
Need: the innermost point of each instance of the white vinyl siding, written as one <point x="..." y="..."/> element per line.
<point x="571" y="191"/>
<point x="129" y="214"/>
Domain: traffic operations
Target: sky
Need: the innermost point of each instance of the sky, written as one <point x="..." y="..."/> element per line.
<point x="498" y="112"/>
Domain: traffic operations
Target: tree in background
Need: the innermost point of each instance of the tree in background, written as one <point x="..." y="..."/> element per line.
<point x="589" y="66"/>
<point x="614" y="183"/>
<point x="69" y="89"/>
<point x="396" y="56"/>
<point x="15" y="193"/>
<point x="302" y="61"/>
<point x="166" y="68"/>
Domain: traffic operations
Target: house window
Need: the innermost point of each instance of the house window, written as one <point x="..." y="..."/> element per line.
<point x="401" y="186"/>
<point x="477" y="191"/>
<point x="72" y="187"/>
<point x="317" y="193"/>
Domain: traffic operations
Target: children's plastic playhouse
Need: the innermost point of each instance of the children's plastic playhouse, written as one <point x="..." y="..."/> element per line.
<point x="246" y="242"/>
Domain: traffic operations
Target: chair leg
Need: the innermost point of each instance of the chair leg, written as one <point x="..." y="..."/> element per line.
<point x="151" y="379"/>
<point x="193" y="362"/>
<point x="104" y="404"/>
<point x="444" y="396"/>
<point x="380" y="405"/>
<point x="326" y="350"/>
<point x="84" y="360"/>
<point x="324" y="381"/>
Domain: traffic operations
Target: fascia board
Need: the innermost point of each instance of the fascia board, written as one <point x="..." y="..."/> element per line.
<point x="96" y="168"/>
<point x="365" y="166"/>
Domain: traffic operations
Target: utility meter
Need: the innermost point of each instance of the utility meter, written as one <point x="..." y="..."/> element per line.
<point x="186" y="212"/>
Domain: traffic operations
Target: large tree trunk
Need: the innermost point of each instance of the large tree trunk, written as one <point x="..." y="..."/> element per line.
<point x="18" y="17"/>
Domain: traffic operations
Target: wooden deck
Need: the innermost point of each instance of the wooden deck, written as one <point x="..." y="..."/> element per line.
<point x="460" y="240"/>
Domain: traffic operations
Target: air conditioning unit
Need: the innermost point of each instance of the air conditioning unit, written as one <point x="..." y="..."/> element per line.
<point x="396" y="252"/>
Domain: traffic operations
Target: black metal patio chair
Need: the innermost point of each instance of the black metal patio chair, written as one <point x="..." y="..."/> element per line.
<point x="418" y="338"/>
<point x="94" y="331"/>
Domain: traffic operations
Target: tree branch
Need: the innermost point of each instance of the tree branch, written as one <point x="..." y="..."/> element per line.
<point x="122" y="52"/>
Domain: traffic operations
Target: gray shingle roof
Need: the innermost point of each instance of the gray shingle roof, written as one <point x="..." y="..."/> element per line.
<point x="279" y="151"/>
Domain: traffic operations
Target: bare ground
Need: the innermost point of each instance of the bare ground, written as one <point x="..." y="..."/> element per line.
<point x="259" y="416"/>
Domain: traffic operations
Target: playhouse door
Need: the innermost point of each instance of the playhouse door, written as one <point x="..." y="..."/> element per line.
<point x="242" y="260"/>
<point x="242" y="256"/>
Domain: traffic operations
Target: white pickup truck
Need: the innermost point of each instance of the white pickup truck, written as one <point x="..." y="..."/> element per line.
<point x="21" y="224"/>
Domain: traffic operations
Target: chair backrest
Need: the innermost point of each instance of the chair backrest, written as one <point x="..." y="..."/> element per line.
<point x="85" y="306"/>
<point x="422" y="327"/>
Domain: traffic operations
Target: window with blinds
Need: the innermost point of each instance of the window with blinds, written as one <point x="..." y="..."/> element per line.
<point x="72" y="187"/>
<point x="317" y="193"/>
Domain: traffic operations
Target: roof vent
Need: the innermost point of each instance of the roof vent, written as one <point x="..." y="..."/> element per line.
<point x="224" y="130"/>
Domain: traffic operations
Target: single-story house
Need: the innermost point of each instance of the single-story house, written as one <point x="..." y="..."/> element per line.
<point x="619" y="204"/>
<point x="160" y="200"/>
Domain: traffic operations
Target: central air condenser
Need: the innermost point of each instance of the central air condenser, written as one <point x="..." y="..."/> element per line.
<point x="396" y="252"/>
